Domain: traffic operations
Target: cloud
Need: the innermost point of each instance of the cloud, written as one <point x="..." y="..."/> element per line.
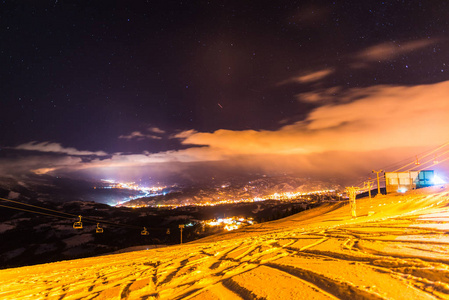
<point x="139" y="136"/>
<point x="362" y="119"/>
<point x="132" y="135"/>
<point x="320" y="96"/>
<point x="38" y="164"/>
<point x="308" y="77"/>
<point x="353" y="131"/>
<point x="41" y="171"/>
<point x="184" y="134"/>
<point x="56" y="148"/>
<point x="391" y="50"/>
<point x="156" y="130"/>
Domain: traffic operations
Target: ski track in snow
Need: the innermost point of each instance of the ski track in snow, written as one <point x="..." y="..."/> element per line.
<point x="397" y="248"/>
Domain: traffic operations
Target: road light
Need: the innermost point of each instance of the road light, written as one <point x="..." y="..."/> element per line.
<point x="180" y="228"/>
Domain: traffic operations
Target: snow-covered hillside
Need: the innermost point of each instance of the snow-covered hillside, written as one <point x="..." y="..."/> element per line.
<point x="397" y="248"/>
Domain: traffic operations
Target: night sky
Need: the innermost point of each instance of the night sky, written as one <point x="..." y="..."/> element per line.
<point x="147" y="88"/>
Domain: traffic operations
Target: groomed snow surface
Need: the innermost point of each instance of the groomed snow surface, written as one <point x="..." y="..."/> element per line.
<point x="397" y="248"/>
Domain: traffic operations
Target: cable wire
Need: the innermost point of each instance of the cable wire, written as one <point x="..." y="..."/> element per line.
<point x="27" y="210"/>
<point x="423" y="165"/>
<point x="85" y="219"/>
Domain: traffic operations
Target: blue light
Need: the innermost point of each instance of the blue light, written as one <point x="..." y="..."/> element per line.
<point x="437" y="180"/>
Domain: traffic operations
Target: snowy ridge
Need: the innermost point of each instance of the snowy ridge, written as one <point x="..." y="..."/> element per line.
<point x="396" y="249"/>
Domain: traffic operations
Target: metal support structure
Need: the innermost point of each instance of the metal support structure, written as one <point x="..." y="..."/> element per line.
<point x="368" y="185"/>
<point x="180" y="228"/>
<point x="352" y="191"/>
<point x="378" y="184"/>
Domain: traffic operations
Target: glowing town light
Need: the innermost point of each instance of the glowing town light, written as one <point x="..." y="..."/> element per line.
<point x="231" y="227"/>
<point x="108" y="180"/>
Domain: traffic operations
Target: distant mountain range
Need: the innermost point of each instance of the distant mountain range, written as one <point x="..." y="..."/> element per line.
<point x="55" y="189"/>
<point x="43" y="232"/>
<point x="235" y="190"/>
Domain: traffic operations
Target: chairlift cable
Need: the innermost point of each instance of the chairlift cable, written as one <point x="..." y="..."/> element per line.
<point x="43" y="208"/>
<point x="431" y="162"/>
<point x="427" y="153"/>
<point x="423" y="156"/>
<point x="37" y="212"/>
<point x="85" y="219"/>
<point x="447" y="158"/>
<point x="63" y="213"/>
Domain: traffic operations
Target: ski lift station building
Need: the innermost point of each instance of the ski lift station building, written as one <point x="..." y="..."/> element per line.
<point x="409" y="180"/>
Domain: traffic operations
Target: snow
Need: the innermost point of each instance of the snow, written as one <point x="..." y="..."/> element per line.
<point x="45" y="248"/>
<point x="258" y="209"/>
<point x="176" y="218"/>
<point x="78" y="240"/>
<point x="13" y="253"/>
<point x="11" y="224"/>
<point x="395" y="249"/>
<point x="62" y="227"/>
<point x="5" y="227"/>
<point x="137" y="248"/>
<point x="13" y="195"/>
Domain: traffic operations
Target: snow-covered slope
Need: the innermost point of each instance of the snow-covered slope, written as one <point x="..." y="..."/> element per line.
<point x="396" y="249"/>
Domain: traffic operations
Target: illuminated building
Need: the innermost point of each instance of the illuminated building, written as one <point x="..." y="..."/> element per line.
<point x="409" y="180"/>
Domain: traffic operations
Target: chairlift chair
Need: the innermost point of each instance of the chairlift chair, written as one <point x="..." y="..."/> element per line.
<point x="99" y="229"/>
<point x="78" y="225"/>
<point x="435" y="160"/>
<point x="417" y="161"/>
<point x="144" y="231"/>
